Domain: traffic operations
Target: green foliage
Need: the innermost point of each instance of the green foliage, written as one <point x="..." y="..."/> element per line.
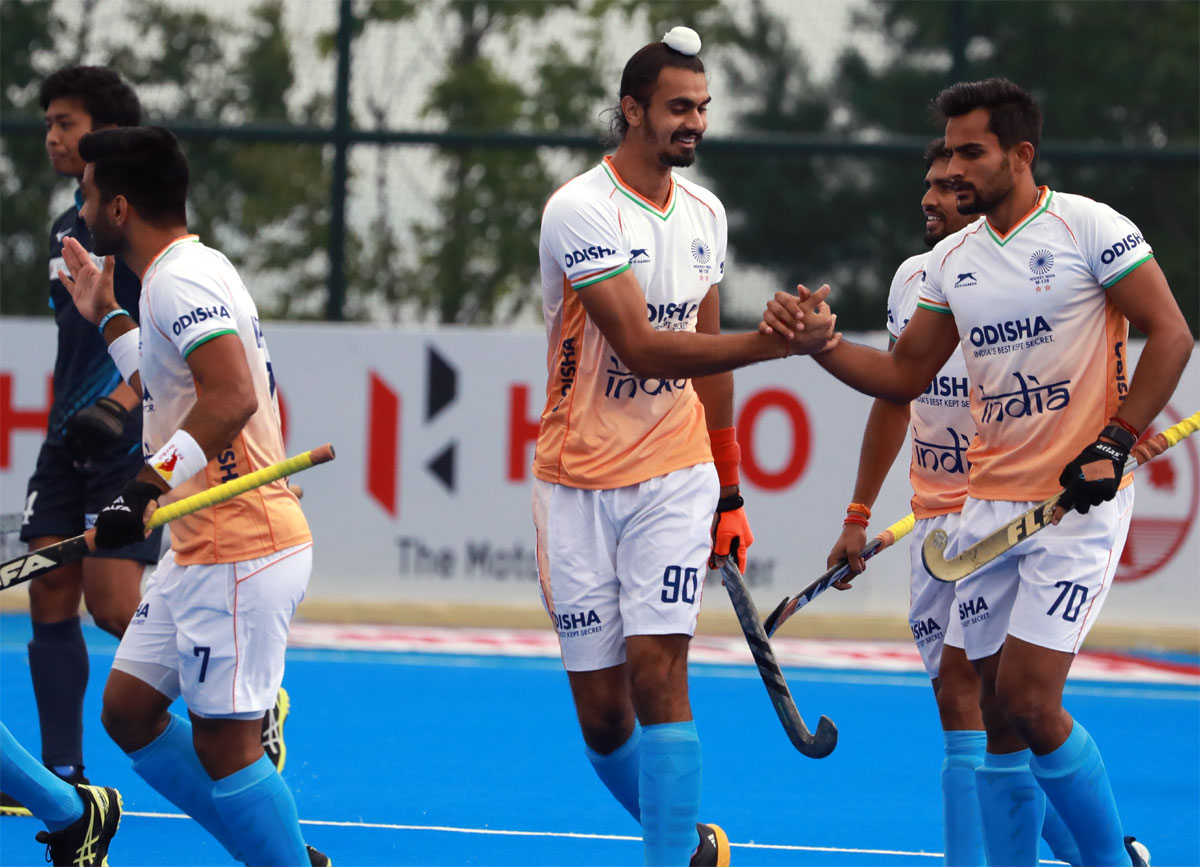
<point x="263" y="204"/>
<point x="851" y="221"/>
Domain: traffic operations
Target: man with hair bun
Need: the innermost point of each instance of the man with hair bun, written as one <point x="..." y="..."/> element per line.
<point x="636" y="466"/>
<point x="212" y="626"/>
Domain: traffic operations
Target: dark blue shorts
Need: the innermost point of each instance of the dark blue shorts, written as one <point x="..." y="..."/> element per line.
<point x="63" y="499"/>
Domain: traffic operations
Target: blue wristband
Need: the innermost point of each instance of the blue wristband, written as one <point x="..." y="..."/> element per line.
<point x="120" y="311"/>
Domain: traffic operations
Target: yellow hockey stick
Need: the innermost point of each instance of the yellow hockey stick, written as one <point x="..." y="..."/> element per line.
<point x="39" y="562"/>
<point x="1023" y="526"/>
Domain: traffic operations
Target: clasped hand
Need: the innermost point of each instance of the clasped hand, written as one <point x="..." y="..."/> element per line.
<point x="804" y="320"/>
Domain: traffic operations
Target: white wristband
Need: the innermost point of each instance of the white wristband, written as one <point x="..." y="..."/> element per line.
<point x="126" y="353"/>
<point x="179" y="460"/>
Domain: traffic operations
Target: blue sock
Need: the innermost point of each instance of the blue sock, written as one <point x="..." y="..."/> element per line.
<point x="619" y="771"/>
<point x="961" y="828"/>
<point x="1011" y="808"/>
<point x="1074" y="778"/>
<point x="169" y="763"/>
<point x="670" y="792"/>
<point x="1058" y="836"/>
<point x="46" y="795"/>
<point x="259" y="811"/>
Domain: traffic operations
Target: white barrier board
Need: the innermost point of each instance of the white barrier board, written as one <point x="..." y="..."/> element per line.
<point x="429" y="499"/>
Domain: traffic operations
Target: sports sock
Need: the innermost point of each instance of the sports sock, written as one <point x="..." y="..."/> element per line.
<point x="1074" y="778"/>
<point x="1011" y="807"/>
<point x="1058" y="836"/>
<point x="619" y="771"/>
<point x="259" y="811"/>
<point x="58" y="663"/>
<point x="669" y="792"/>
<point x="169" y="763"/>
<point x="29" y="781"/>
<point x="961" y="829"/>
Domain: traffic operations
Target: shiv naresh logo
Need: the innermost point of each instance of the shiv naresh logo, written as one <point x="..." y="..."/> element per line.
<point x="967" y="278"/>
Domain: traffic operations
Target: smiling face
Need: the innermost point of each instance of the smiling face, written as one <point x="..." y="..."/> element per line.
<point x="979" y="167"/>
<point x="66" y="124"/>
<point x="674" y="122"/>
<point x="939" y="203"/>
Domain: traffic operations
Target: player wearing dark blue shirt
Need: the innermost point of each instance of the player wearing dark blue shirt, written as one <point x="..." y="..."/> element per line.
<point x="93" y="445"/>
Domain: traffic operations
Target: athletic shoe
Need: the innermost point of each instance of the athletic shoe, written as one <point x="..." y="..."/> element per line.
<point x="85" y="843"/>
<point x="317" y="858"/>
<point x="713" y="850"/>
<point x="1138" y="853"/>
<point x="272" y="730"/>
<point x="10" y="806"/>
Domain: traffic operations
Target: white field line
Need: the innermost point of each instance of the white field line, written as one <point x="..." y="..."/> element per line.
<point x="571" y="835"/>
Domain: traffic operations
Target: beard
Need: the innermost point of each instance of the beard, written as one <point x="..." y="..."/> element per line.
<point x="107" y="240"/>
<point x="991" y="197"/>
<point x="932" y="236"/>
<point x="670" y="158"/>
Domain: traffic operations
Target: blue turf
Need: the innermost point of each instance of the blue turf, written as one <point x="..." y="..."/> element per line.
<point x="484" y="743"/>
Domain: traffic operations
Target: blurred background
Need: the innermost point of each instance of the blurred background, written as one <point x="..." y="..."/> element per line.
<point x="377" y="171"/>
<point x="388" y="160"/>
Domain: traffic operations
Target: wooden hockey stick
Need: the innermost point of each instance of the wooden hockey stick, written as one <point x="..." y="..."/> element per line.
<point x="792" y="604"/>
<point x="815" y="746"/>
<point x="35" y="563"/>
<point x="1038" y="518"/>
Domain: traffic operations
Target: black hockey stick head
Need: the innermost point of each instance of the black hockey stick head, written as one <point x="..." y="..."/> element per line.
<point x="815" y="746"/>
<point x="773" y="617"/>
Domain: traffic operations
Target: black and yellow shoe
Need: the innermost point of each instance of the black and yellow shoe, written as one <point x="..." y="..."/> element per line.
<point x="713" y="850"/>
<point x="85" y="843"/>
<point x="10" y="806"/>
<point x="317" y="858"/>
<point x="272" y="730"/>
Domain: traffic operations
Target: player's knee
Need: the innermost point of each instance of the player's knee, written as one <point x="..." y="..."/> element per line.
<point x="109" y="616"/>
<point x="1026" y="707"/>
<point x="606" y="728"/>
<point x="122" y="726"/>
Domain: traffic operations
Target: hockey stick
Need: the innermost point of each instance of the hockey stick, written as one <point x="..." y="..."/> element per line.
<point x="1023" y="526"/>
<point x="815" y="746"/>
<point x="792" y="604"/>
<point x="31" y="565"/>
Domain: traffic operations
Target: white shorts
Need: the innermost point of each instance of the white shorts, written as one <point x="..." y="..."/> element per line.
<point x="1048" y="589"/>
<point x="221" y="629"/>
<point x="626" y="561"/>
<point x="932" y="614"/>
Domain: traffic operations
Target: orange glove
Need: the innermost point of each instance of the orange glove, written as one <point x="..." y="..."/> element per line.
<point x="730" y="532"/>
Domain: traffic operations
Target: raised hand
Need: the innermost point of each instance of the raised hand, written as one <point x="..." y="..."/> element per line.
<point x="91" y="288"/>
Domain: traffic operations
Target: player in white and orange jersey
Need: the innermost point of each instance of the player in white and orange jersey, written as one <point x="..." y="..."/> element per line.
<point x="213" y="623"/>
<point x="638" y="410"/>
<point x="942" y="430"/>
<point x="1039" y="295"/>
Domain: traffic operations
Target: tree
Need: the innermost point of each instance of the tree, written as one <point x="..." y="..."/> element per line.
<point x="851" y="221"/>
<point x="263" y="204"/>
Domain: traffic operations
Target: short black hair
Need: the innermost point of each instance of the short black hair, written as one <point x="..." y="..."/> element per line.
<point x="641" y="75"/>
<point x="143" y="164"/>
<point x="1013" y="115"/>
<point x="935" y="150"/>
<point x="106" y="98"/>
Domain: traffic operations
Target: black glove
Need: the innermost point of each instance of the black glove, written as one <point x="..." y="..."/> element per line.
<point x="94" y="428"/>
<point x="1093" y="477"/>
<point x="120" y="522"/>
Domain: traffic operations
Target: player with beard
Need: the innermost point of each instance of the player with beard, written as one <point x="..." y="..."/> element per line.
<point x="942" y="429"/>
<point x="1040" y="294"/>
<point x="212" y="626"/>
<point x="636" y="465"/>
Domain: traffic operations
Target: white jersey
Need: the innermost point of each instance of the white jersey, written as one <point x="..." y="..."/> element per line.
<point x="190" y="295"/>
<point x="602" y="427"/>
<point x="1045" y="348"/>
<point x="942" y="427"/>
